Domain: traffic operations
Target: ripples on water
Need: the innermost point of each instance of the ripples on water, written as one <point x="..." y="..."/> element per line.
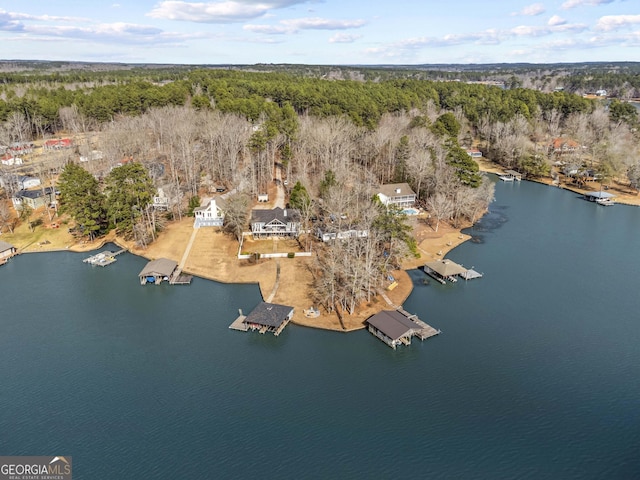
<point x="535" y="374"/>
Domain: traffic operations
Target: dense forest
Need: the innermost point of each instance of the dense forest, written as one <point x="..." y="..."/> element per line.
<point x="336" y="133"/>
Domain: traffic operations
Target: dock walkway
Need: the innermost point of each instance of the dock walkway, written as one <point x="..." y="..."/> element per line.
<point x="425" y="331"/>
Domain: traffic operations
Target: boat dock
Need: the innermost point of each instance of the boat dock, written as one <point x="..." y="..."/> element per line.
<point x="103" y="259"/>
<point x="397" y="327"/>
<point x="239" y="323"/>
<point x="266" y="317"/>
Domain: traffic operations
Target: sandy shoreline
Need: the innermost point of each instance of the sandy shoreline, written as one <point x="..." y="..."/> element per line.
<point x="213" y="256"/>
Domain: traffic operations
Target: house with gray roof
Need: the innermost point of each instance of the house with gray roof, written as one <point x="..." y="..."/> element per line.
<point x="277" y="222"/>
<point x="34" y="198"/>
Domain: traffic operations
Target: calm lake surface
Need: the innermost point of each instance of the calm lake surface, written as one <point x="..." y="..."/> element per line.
<point x="536" y="374"/>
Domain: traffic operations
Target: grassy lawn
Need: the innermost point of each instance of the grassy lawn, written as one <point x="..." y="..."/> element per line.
<point x="271" y="245"/>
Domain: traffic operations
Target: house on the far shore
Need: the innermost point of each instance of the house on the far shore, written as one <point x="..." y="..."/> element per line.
<point x="474" y="153"/>
<point x="158" y="271"/>
<point x="209" y="215"/>
<point x="399" y="194"/>
<point x="563" y="145"/>
<point x="6" y="252"/>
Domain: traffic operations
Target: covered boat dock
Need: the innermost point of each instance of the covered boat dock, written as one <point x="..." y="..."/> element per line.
<point x="600" y="197"/>
<point x="510" y="176"/>
<point x="158" y="271"/>
<point x="397" y="327"/>
<point x="443" y="270"/>
<point x="269" y="317"/>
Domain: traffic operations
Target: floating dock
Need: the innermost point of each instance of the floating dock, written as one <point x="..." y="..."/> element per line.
<point x="103" y="259"/>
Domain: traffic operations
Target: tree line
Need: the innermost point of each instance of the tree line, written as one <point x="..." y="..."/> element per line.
<point x="335" y="141"/>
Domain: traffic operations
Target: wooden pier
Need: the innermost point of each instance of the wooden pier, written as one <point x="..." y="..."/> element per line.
<point x="179" y="278"/>
<point x="238" y="323"/>
<point x="425" y="331"/>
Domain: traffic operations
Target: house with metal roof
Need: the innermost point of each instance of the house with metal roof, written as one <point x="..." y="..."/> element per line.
<point x="157" y="271"/>
<point x="269" y="317"/>
<point x="6" y="252"/>
<point x="277" y="222"/>
<point x="399" y="194"/>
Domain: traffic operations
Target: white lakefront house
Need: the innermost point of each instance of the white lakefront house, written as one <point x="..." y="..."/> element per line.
<point x="210" y="215"/>
<point x="399" y="194"/>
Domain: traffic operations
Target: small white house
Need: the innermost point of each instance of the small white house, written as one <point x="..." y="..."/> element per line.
<point x="210" y="215"/>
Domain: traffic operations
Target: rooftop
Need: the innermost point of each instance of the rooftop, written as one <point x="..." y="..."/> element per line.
<point x="392" y="323"/>
<point x="396" y="189"/>
<point x="270" y="314"/>
<point x="159" y="266"/>
<point x="283" y="215"/>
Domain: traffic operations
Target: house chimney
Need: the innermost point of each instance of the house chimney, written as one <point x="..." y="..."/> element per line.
<point x="397" y="190"/>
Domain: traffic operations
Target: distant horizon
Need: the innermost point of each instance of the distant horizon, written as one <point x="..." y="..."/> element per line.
<point x="351" y="65"/>
<point x="317" y="32"/>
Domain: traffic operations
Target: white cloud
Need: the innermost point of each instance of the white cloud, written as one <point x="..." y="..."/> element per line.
<point x="615" y="22"/>
<point x="578" y="3"/>
<point x="268" y="29"/>
<point x="297" y="24"/>
<point x="42" y="18"/>
<point x="344" y="38"/>
<point x="556" y="20"/>
<point x="229" y="11"/>
<point x="322" y="24"/>
<point x="533" y="10"/>
<point x="550" y="29"/>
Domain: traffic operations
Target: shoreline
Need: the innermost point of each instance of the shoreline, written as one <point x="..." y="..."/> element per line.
<point x="214" y="257"/>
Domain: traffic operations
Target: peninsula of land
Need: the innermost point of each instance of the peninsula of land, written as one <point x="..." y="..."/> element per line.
<point x="211" y="254"/>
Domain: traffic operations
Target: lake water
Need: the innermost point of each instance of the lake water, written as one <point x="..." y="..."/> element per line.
<point x="535" y="376"/>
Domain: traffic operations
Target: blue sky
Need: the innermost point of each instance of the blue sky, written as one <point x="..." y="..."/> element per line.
<point x="321" y="31"/>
